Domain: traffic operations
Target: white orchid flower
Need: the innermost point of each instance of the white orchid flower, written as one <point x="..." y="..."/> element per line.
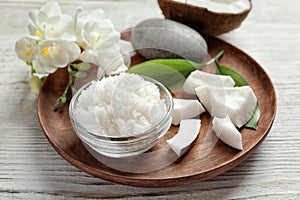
<point x="82" y="17"/>
<point x="50" y="23"/>
<point x="102" y="47"/>
<point x="26" y="49"/>
<point x="55" y="54"/>
<point x="100" y="34"/>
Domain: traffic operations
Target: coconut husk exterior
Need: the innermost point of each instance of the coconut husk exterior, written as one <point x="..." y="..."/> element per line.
<point x="201" y="19"/>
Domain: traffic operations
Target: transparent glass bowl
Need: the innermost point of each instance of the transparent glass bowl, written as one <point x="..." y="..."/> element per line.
<point x="113" y="146"/>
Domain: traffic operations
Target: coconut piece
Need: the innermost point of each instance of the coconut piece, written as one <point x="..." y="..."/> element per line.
<point x="186" y="135"/>
<point x="185" y="109"/>
<point x="199" y="78"/>
<point x="238" y="103"/>
<point x="227" y="132"/>
<point x="210" y="17"/>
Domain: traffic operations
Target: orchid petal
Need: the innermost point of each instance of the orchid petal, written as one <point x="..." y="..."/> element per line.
<point x="127" y="47"/>
<point x="73" y="51"/>
<point x="41" y="71"/>
<point x="33" y="17"/>
<point x="51" y="9"/>
<point x="127" y="51"/>
<point x="90" y="56"/>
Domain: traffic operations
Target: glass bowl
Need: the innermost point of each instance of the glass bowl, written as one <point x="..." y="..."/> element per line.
<point x="122" y="146"/>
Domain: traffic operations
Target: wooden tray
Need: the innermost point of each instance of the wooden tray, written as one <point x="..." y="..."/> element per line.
<point x="208" y="157"/>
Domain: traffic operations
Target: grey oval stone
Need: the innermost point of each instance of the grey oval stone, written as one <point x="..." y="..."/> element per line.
<point x="162" y="38"/>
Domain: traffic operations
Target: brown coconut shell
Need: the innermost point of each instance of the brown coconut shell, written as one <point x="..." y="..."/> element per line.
<point x="201" y="19"/>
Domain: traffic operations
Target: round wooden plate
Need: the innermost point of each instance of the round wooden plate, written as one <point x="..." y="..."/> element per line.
<point x="207" y="158"/>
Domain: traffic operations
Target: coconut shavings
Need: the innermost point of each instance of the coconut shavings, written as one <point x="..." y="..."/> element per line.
<point x="123" y="105"/>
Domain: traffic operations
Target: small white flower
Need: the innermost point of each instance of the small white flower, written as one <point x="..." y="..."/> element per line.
<point x="55" y="54"/>
<point x="102" y="43"/>
<point x="50" y="23"/>
<point x="26" y="49"/>
<point x="82" y="17"/>
<point x="90" y="56"/>
<point x="100" y="34"/>
<point x="51" y="44"/>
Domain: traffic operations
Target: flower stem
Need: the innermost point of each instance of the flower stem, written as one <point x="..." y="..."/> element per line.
<point x="32" y="68"/>
<point x="75" y="70"/>
<point x="63" y="98"/>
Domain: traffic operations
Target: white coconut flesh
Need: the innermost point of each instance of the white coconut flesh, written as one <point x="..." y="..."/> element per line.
<point x="220" y="6"/>
<point x="185" y="109"/>
<point x="238" y="103"/>
<point x="199" y="78"/>
<point x="227" y="132"/>
<point x="186" y="135"/>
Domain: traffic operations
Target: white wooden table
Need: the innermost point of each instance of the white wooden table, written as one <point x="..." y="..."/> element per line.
<point x="31" y="169"/>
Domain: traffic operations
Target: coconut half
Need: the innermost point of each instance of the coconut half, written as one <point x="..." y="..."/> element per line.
<point x="210" y="17"/>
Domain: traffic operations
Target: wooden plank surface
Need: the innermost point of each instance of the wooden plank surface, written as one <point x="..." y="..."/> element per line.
<point x="31" y="169"/>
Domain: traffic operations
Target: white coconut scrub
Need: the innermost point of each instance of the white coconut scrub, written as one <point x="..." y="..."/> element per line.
<point x="121" y="105"/>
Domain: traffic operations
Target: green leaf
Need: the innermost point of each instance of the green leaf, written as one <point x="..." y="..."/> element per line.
<point x="253" y="121"/>
<point x="80" y="74"/>
<point x="170" y="72"/>
<point x="83" y="66"/>
<point x="240" y="81"/>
